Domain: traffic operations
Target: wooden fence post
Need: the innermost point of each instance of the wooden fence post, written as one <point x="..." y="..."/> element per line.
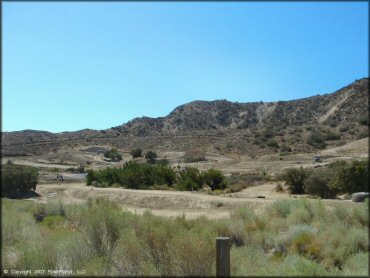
<point x="222" y="257"/>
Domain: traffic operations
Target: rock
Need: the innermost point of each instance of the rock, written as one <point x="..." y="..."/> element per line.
<point x="344" y="197"/>
<point x="359" y="197"/>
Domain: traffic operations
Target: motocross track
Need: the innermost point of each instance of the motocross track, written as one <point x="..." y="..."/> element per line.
<point x="170" y="203"/>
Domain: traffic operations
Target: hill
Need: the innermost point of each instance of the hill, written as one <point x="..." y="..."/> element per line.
<point x="221" y="126"/>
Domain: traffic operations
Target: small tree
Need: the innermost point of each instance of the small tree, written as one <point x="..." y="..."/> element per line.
<point x="113" y="154"/>
<point x="316" y="139"/>
<point x="214" y="179"/>
<point x="151" y="157"/>
<point x="16" y="178"/>
<point x="318" y="183"/>
<point x="294" y="178"/>
<point x="137" y="153"/>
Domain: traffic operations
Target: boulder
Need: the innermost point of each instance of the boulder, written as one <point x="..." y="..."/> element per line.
<point x="359" y="197"/>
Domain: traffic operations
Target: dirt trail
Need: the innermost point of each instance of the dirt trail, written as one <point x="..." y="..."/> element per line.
<point x="332" y="110"/>
<point x="166" y="203"/>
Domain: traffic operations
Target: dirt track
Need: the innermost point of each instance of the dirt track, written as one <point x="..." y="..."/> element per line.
<point x="168" y="203"/>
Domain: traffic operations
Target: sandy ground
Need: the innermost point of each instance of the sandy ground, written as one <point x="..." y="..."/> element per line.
<point x="192" y="204"/>
<point x="169" y="203"/>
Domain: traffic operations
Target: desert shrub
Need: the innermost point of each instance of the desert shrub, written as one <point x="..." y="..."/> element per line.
<point x="163" y="161"/>
<point x="350" y="177"/>
<point x="137" y="153"/>
<point x="128" y="258"/>
<point x="194" y="156"/>
<point x="214" y="179"/>
<point x="331" y="135"/>
<point x="113" y="154"/>
<point x="364" y="120"/>
<point x="100" y="226"/>
<point x="318" y="183"/>
<point x="55" y="207"/>
<point x="362" y="134"/>
<point x="294" y="178"/>
<point x="344" y="128"/>
<point x="316" y="139"/>
<point x="190" y="178"/>
<point x="357" y="264"/>
<point x="151" y="157"/>
<point x="193" y="252"/>
<point x="285" y="148"/>
<point x="272" y="143"/>
<point x="17" y="178"/>
<point x="53" y="221"/>
<point x="282" y="208"/>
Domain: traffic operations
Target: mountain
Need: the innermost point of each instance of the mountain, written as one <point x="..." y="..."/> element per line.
<point x="251" y="128"/>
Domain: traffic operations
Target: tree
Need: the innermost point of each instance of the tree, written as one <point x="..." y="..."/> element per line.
<point x="113" y="155"/>
<point x="151" y="157"/>
<point x="214" y="179"/>
<point x="137" y="153"/>
<point x="294" y="178"/>
<point x="16" y="178"/>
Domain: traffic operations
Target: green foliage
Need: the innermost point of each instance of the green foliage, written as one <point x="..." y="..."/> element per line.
<point x="290" y="237"/>
<point x="137" y="153"/>
<point x="294" y="178"/>
<point x="272" y="143"/>
<point x="151" y="157"/>
<point x="331" y="135"/>
<point x="364" y="120"/>
<point x="338" y="177"/>
<point x="145" y="176"/>
<point x="318" y="183"/>
<point x="113" y="154"/>
<point x="285" y="148"/>
<point x="316" y="139"/>
<point x="214" y="179"/>
<point x="350" y="177"/>
<point x="17" y="178"/>
<point x="190" y="178"/>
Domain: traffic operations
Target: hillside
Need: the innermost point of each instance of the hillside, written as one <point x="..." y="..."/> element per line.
<point x="222" y="126"/>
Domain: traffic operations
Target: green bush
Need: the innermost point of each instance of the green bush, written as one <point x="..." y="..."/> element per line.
<point x="214" y="179"/>
<point x="17" y="178"/>
<point x="316" y="139"/>
<point x="364" y="120"/>
<point x="318" y="183"/>
<point x="331" y="135"/>
<point x="151" y="157"/>
<point x="285" y="148"/>
<point x="137" y="153"/>
<point x="190" y="178"/>
<point x="294" y="178"/>
<point x="272" y="143"/>
<point x="350" y="177"/>
<point x="113" y="155"/>
<point x="144" y="176"/>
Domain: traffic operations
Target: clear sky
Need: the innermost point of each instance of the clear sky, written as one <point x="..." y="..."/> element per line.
<point x="70" y="66"/>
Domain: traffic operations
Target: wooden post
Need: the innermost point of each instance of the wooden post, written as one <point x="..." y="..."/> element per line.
<point x="222" y="257"/>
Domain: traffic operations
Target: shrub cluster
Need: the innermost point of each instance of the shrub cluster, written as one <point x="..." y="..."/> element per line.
<point x="289" y="237"/>
<point x="142" y="176"/>
<point x="16" y="178"/>
<point x="113" y="155"/>
<point x="316" y="139"/>
<point x="339" y="177"/>
<point x="137" y="153"/>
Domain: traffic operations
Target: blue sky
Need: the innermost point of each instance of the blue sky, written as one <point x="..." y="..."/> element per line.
<point x="70" y="66"/>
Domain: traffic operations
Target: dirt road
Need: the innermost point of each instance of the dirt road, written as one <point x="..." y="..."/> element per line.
<point x="167" y="203"/>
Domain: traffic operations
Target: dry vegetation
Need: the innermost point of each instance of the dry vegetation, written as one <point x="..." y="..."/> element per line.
<point x="290" y="237"/>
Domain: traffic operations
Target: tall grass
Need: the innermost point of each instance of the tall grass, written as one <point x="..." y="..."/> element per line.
<point x="290" y="237"/>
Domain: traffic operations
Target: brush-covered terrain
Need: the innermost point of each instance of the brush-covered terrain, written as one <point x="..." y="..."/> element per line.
<point x="289" y="237"/>
<point x="222" y="127"/>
